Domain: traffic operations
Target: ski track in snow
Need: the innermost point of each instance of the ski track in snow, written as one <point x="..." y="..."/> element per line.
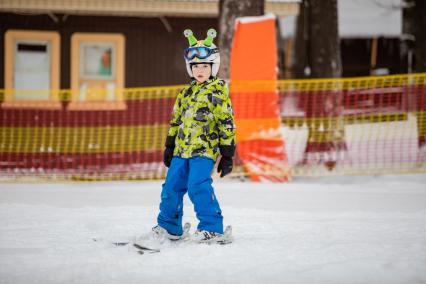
<point x="317" y="230"/>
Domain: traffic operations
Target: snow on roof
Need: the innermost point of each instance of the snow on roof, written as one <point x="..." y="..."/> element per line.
<point x="360" y="19"/>
<point x="255" y="19"/>
<point x="369" y="18"/>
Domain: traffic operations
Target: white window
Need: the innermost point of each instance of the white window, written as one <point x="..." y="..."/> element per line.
<point x="32" y="69"/>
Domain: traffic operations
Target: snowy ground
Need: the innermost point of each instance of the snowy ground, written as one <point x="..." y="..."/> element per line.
<point x="333" y="230"/>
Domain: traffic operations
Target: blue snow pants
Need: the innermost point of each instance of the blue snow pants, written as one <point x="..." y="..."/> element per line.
<point x="192" y="175"/>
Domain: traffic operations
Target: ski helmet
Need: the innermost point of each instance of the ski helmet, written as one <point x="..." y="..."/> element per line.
<point x="201" y="51"/>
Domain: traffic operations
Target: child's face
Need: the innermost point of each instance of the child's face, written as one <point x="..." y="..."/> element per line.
<point x="201" y="72"/>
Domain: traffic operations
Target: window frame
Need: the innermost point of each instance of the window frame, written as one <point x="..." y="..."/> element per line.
<point x="11" y="38"/>
<point x="79" y="39"/>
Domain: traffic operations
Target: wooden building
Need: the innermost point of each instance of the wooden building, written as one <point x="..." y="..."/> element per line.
<point x="99" y="44"/>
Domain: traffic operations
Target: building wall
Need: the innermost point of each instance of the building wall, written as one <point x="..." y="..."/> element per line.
<point x="358" y="57"/>
<point x="153" y="55"/>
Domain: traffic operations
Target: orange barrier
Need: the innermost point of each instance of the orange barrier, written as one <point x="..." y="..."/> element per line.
<point x="261" y="147"/>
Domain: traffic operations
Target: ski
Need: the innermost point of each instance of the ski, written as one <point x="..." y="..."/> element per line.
<point x="153" y="243"/>
<point x="120" y="244"/>
<point x="142" y="248"/>
<point x="139" y="249"/>
<point x="114" y="243"/>
<point x="150" y="244"/>
<point x="227" y="236"/>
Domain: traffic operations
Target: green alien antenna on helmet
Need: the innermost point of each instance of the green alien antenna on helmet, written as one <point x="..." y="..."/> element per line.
<point x="211" y="34"/>
<point x="190" y="36"/>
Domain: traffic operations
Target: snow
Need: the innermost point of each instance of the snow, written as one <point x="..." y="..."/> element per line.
<point x="359" y="19"/>
<point x="256" y="19"/>
<point x="317" y="230"/>
<point x="366" y="18"/>
<point x="371" y="147"/>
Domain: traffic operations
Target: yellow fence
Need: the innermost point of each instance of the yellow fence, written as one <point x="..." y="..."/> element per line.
<point x="366" y="125"/>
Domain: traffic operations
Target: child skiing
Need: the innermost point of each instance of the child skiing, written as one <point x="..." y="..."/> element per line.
<point x="201" y="128"/>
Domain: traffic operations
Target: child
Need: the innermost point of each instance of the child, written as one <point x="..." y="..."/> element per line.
<point x="202" y="126"/>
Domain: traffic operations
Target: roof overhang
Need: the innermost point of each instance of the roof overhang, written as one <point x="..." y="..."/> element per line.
<point x="165" y="8"/>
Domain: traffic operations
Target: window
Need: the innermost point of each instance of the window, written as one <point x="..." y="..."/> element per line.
<point x="97" y="71"/>
<point x="32" y="69"/>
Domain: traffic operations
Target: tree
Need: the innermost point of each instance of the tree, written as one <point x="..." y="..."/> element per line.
<point x="414" y="27"/>
<point x="324" y="49"/>
<point x="317" y="40"/>
<point x="319" y="57"/>
<point x="301" y="42"/>
<point x="229" y="10"/>
<point x="420" y="35"/>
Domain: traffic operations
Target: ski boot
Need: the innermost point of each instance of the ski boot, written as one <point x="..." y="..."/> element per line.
<point x="158" y="236"/>
<point x="202" y="236"/>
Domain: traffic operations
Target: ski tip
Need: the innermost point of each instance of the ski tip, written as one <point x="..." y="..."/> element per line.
<point x="120" y="244"/>
<point x="228" y="238"/>
<point x="146" y="249"/>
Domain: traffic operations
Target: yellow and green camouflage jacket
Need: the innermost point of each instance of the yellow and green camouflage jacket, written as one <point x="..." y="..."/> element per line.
<point x="202" y="120"/>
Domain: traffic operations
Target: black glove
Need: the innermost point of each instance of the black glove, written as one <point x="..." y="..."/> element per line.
<point x="226" y="164"/>
<point x="168" y="152"/>
<point x="168" y="155"/>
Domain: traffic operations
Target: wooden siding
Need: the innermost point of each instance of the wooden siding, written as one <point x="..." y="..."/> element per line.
<point x="153" y="55"/>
